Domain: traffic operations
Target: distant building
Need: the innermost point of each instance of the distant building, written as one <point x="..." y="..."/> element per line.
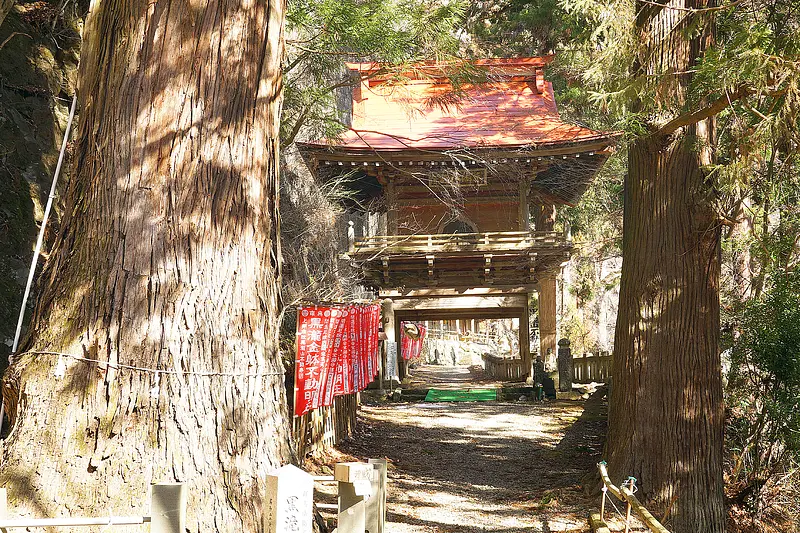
<point x="457" y="190"/>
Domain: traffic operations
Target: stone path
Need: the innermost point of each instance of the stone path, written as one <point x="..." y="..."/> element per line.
<point x="488" y="467"/>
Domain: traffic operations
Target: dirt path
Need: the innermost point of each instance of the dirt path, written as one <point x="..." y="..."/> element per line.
<point x="496" y="467"/>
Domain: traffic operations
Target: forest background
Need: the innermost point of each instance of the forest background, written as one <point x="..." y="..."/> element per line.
<point x="750" y="73"/>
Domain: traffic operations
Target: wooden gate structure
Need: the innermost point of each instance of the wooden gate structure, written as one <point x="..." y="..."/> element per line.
<point x="454" y="208"/>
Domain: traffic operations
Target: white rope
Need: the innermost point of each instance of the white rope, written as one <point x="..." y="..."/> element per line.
<point x="611" y="501"/>
<point x="156" y="371"/>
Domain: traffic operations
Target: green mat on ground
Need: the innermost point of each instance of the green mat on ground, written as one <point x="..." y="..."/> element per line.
<point x="470" y="395"/>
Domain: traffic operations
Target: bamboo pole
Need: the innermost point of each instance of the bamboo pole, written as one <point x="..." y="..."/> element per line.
<point x="625" y="494"/>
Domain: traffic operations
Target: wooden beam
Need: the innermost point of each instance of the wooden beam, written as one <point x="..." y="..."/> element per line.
<point x="524" y="207"/>
<point x="600" y="146"/>
<point x="391" y="208"/>
<point x="481" y="200"/>
<point x="623" y="493"/>
<point x="453" y="293"/>
<point x="458" y="314"/>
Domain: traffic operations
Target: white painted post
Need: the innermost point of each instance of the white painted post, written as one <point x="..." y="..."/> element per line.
<point x="290" y="501"/>
<point x="355" y="484"/>
<point x="376" y="503"/>
<point x="3" y="504"/>
<point x="168" y="508"/>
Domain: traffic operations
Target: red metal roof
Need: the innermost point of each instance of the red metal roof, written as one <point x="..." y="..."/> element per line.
<point x="515" y="108"/>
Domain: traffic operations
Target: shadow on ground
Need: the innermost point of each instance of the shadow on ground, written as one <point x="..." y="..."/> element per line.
<point x="499" y="467"/>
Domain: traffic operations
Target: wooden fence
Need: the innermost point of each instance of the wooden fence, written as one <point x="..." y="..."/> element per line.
<point x="320" y="429"/>
<point x="504" y="369"/>
<point x="595" y="368"/>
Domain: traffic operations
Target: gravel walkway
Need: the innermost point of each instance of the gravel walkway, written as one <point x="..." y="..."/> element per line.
<point x="493" y="467"/>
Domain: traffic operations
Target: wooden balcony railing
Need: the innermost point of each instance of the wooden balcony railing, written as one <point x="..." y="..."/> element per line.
<point x="459" y="260"/>
<point x="496" y="241"/>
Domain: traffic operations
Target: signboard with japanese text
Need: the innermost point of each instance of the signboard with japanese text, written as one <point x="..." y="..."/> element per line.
<point x="391" y="360"/>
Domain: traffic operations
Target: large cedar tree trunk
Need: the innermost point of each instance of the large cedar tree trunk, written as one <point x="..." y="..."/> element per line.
<point x="665" y="415"/>
<point x="666" y="410"/>
<point x="168" y="260"/>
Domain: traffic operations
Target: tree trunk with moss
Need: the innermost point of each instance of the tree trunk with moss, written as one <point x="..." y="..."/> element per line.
<point x="167" y="261"/>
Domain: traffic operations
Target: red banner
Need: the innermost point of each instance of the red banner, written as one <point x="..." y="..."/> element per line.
<point x="337" y="353"/>
<point x="412" y="347"/>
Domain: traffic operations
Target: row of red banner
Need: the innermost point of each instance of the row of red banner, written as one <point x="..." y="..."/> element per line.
<point x="337" y="353"/>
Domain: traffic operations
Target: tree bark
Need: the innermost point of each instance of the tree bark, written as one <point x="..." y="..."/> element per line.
<point x="169" y="260"/>
<point x="666" y="411"/>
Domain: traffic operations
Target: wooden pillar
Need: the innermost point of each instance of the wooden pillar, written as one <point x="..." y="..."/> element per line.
<point x="547" y="321"/>
<point x="548" y="329"/>
<point x="391" y="207"/>
<point x="351" y="236"/>
<point x="376" y="503"/>
<point x="525" y="341"/>
<point x="524" y="208"/>
<point x="402" y="368"/>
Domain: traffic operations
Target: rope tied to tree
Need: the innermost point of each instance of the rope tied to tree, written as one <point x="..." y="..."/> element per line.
<point x="157" y="371"/>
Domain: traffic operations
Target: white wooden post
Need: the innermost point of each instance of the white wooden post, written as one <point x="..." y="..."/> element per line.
<point x="3" y="504"/>
<point x="355" y="484"/>
<point x="168" y="508"/>
<point x="289" y="501"/>
<point x="376" y="503"/>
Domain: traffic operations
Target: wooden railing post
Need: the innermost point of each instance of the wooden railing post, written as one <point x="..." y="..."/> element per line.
<point x="376" y="503"/>
<point x="355" y="485"/>
<point x="168" y="508"/>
